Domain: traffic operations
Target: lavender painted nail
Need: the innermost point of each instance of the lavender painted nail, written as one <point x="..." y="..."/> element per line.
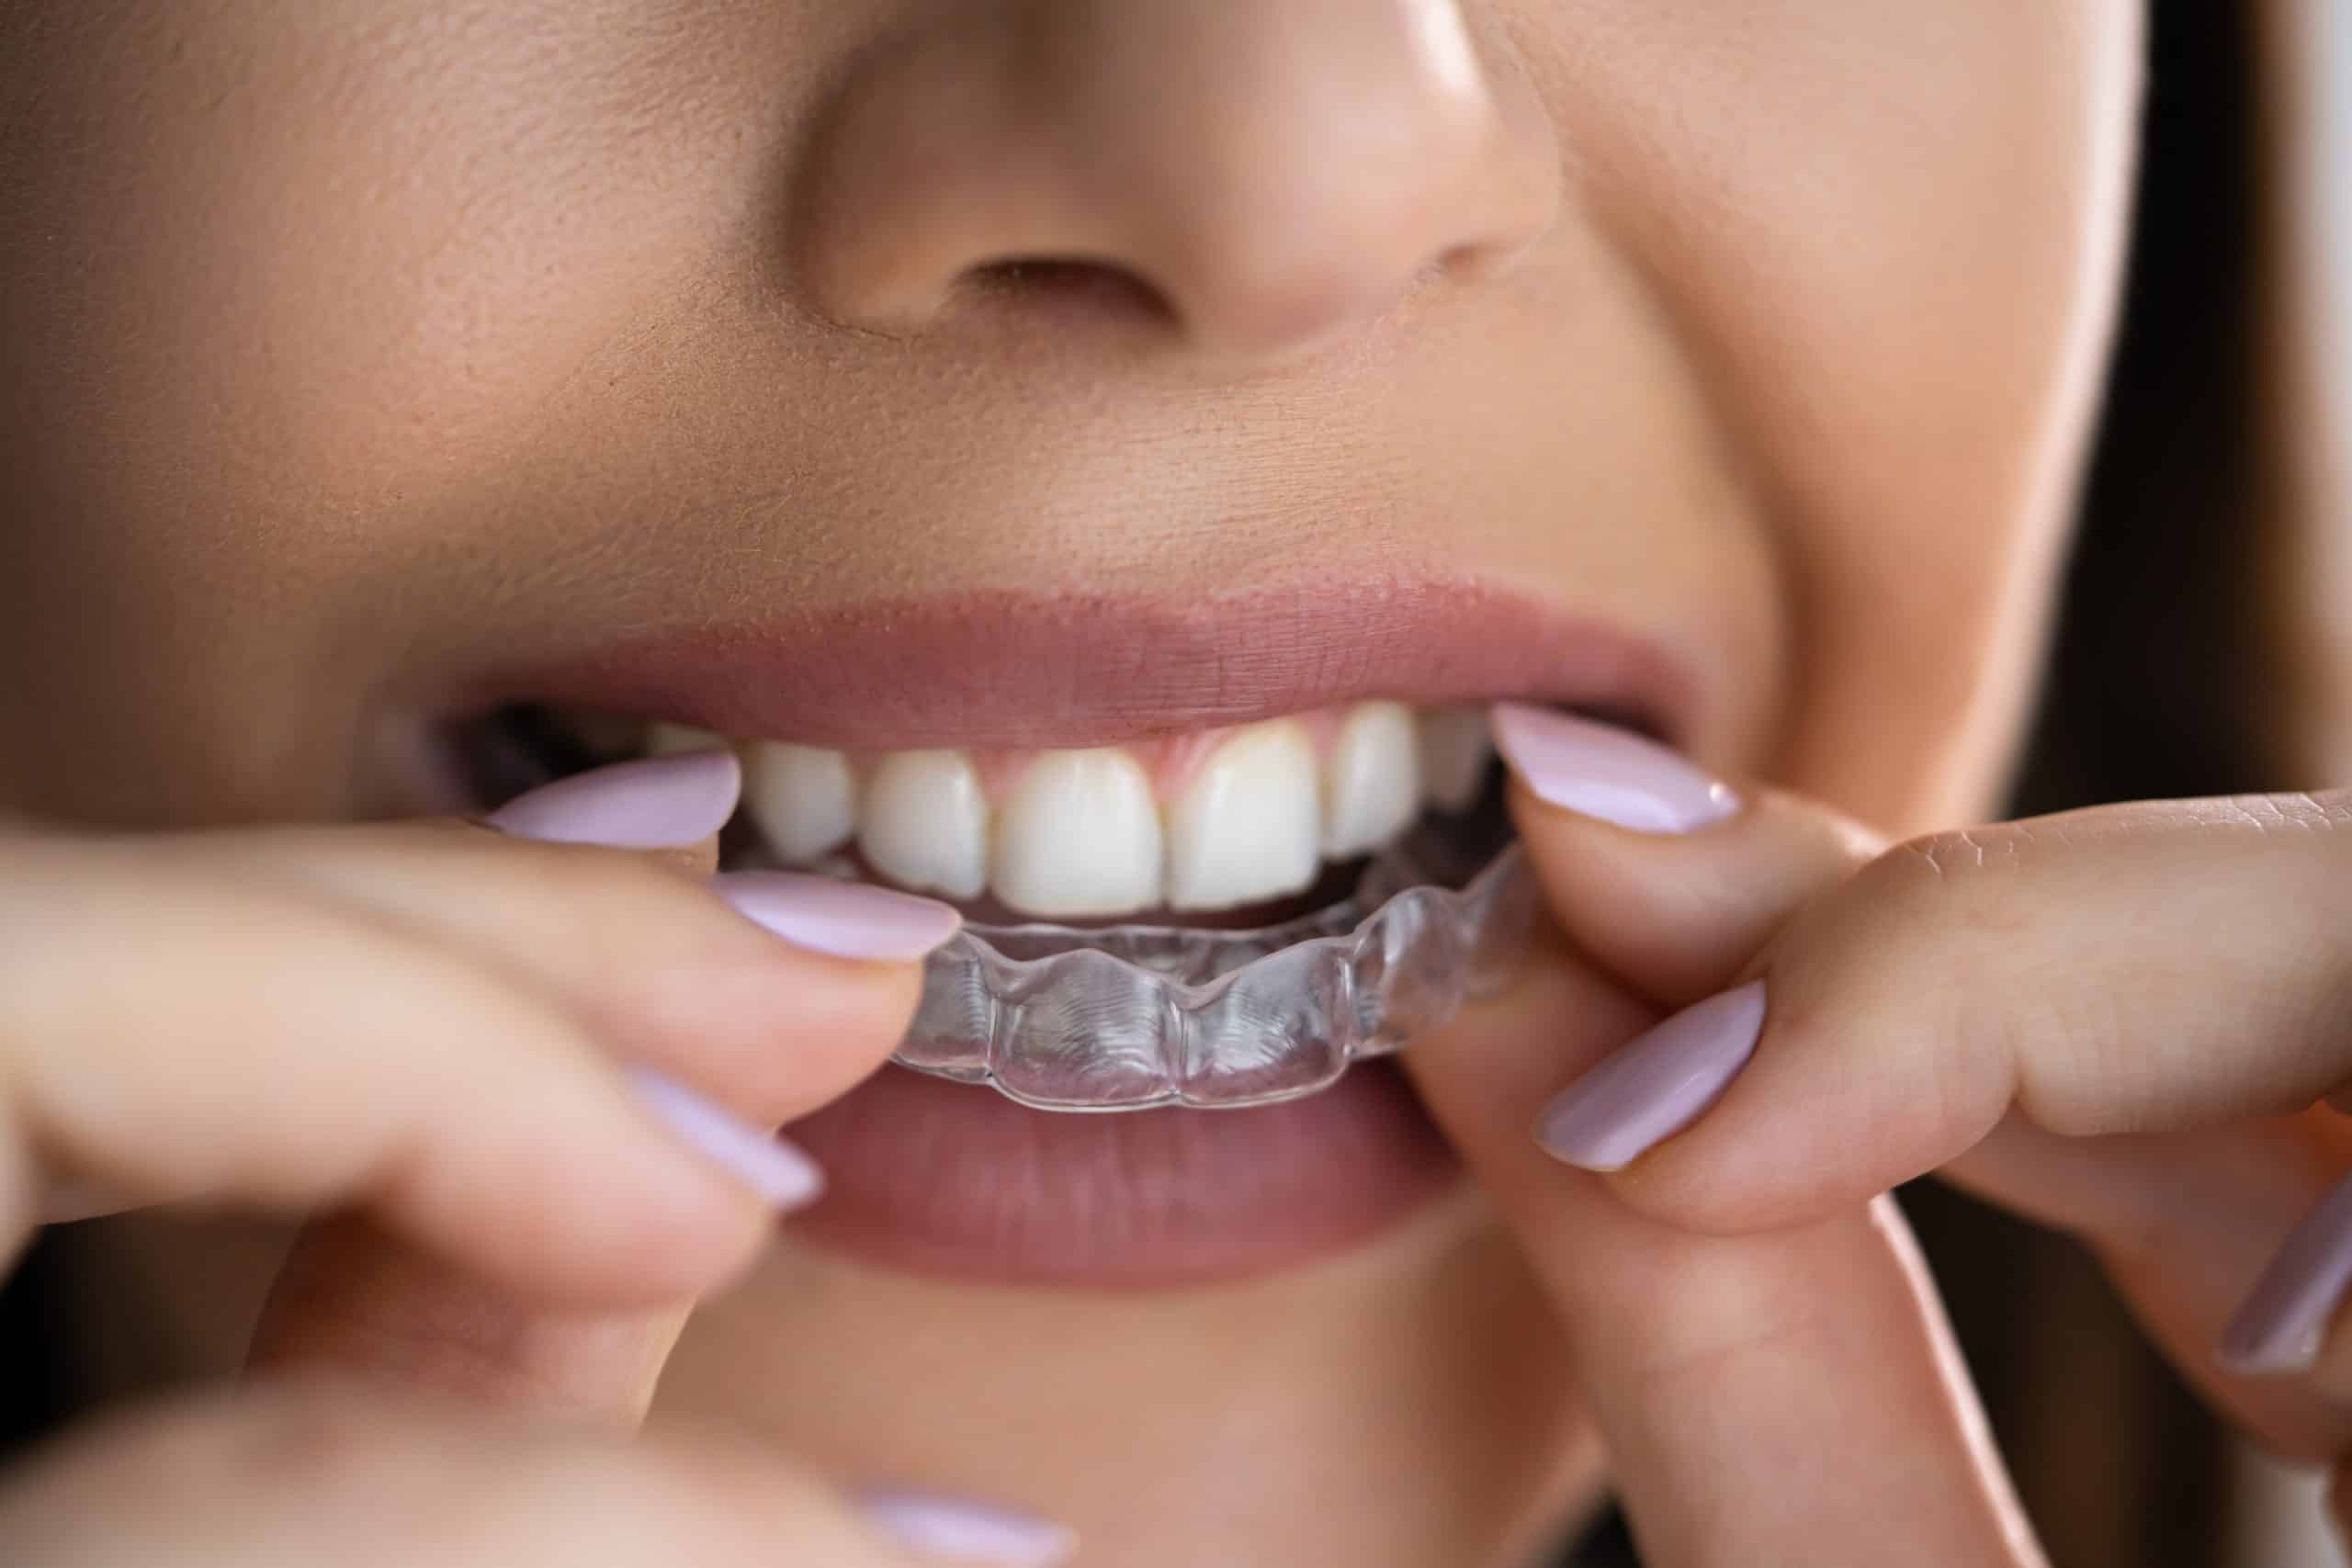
<point x="1656" y="1086"/>
<point x="2283" y="1321"/>
<point x="762" y="1161"/>
<point x="658" y="802"/>
<point x="1603" y="772"/>
<point x="954" y="1530"/>
<point x="848" y="920"/>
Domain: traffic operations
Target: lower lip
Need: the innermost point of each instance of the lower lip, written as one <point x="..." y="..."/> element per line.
<point x="935" y="1178"/>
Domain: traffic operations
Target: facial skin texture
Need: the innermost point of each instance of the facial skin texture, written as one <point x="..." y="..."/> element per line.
<point x="353" y="353"/>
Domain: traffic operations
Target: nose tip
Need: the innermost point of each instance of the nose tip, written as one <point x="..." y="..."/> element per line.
<point x="1251" y="179"/>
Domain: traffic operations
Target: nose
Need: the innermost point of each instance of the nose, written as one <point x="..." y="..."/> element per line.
<point x="1253" y="177"/>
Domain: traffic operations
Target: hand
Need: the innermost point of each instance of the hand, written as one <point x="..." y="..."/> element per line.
<point x="1785" y="1396"/>
<point x="293" y="1475"/>
<point x="473" y="1051"/>
<point x="2117" y="1021"/>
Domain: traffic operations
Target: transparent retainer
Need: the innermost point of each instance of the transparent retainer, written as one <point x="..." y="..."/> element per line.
<point x="1127" y="1018"/>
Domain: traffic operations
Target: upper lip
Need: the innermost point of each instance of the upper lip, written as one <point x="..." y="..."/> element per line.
<point x="1008" y="669"/>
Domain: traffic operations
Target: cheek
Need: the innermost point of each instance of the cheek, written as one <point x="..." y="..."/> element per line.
<point x="306" y="278"/>
<point x="1890" y="236"/>
<point x="336" y="232"/>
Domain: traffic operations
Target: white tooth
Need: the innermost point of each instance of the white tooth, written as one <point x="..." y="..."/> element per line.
<point x="1456" y="749"/>
<point x="1372" y="779"/>
<point x="801" y="798"/>
<point x="1079" y="836"/>
<point x="669" y="739"/>
<point x="1246" y="826"/>
<point x="925" y="823"/>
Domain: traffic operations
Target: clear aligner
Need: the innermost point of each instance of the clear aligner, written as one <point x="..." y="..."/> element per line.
<point x="1127" y="1018"/>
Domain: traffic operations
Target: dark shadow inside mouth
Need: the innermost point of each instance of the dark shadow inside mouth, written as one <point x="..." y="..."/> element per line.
<point x="740" y="849"/>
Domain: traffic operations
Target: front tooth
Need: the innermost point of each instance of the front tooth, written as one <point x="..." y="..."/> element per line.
<point x="1246" y="826"/>
<point x="802" y="798"/>
<point x="1456" y="749"/>
<point x="1079" y="836"/>
<point x="669" y="739"/>
<point x="926" y="823"/>
<point x="1372" y="779"/>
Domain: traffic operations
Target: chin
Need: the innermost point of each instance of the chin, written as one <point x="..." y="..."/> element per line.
<point x="1402" y="1402"/>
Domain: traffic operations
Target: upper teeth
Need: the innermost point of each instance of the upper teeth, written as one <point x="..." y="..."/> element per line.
<point x="1245" y="828"/>
<point x="1082" y="834"/>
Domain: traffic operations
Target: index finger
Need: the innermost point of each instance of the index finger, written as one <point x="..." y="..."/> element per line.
<point x="2124" y="969"/>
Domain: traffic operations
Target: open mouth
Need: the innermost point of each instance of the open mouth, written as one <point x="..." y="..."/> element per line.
<point x="1209" y="857"/>
<point x="1244" y="826"/>
<point x="1224" y="919"/>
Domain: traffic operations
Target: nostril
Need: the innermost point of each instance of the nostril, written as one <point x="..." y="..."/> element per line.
<point x="1071" y="283"/>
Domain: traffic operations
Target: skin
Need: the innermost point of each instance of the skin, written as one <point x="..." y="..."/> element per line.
<point x="351" y="352"/>
<point x="2095" y="1019"/>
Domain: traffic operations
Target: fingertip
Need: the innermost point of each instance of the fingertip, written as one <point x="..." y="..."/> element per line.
<point x="774" y="1171"/>
<point x="1655" y="1087"/>
<point x="652" y="803"/>
<point x="1680" y="915"/>
<point x="781" y="1032"/>
<point x="1612" y="776"/>
<point x="840" y="919"/>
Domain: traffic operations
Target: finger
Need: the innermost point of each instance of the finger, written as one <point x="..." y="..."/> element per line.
<point x="354" y="1302"/>
<point x="1670" y="878"/>
<point x="2072" y="1016"/>
<point x="310" y="1475"/>
<point x="1780" y="1398"/>
<point x="778" y="1028"/>
<point x="699" y="985"/>
<point x="279" y="1052"/>
<point x="2122" y="970"/>
<point x="2184" y="1221"/>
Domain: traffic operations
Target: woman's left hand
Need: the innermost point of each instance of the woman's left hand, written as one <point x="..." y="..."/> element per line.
<point x="2117" y="1022"/>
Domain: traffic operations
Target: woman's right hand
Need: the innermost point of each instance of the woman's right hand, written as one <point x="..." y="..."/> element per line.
<point x="526" y="1068"/>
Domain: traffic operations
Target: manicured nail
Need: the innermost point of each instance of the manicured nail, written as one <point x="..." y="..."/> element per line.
<point x="956" y="1531"/>
<point x="848" y="920"/>
<point x="1656" y="1086"/>
<point x="658" y="802"/>
<point x="762" y="1161"/>
<point x="2283" y="1321"/>
<point x="1604" y="772"/>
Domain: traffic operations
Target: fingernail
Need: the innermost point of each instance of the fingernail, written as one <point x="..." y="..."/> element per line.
<point x="848" y="920"/>
<point x="958" y="1531"/>
<point x="1604" y="772"/>
<point x="2283" y="1321"/>
<point x="762" y="1161"/>
<point x="1656" y="1086"/>
<point x="658" y="802"/>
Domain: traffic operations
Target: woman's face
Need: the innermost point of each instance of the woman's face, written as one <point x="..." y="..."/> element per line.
<point x="1026" y="374"/>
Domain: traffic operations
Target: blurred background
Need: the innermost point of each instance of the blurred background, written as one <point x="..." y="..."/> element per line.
<point x="2207" y="647"/>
